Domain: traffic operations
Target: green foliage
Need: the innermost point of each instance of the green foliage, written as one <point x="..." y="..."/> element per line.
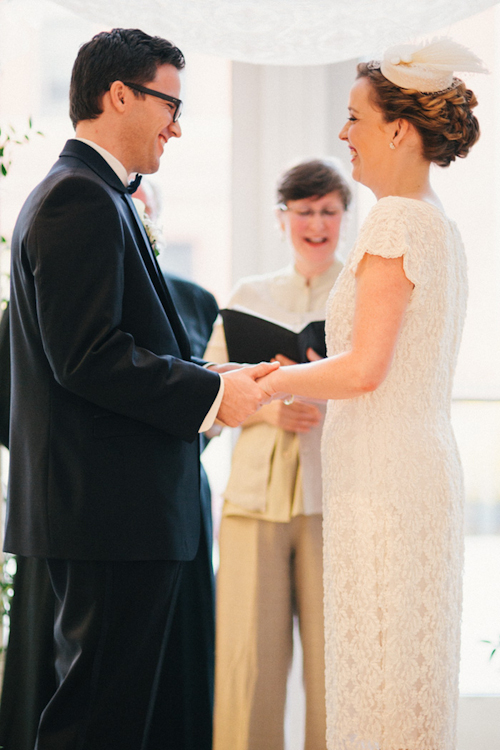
<point x="6" y="583"/>
<point x="496" y="647"/>
<point x="9" y="138"/>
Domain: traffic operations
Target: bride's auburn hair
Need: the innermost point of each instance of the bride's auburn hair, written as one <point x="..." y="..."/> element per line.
<point x="444" y="120"/>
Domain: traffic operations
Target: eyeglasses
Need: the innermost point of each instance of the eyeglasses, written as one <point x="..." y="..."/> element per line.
<point x="307" y="213"/>
<point x="165" y="97"/>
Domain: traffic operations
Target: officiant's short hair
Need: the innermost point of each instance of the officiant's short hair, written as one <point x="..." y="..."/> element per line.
<point x="117" y="55"/>
<point x="314" y="178"/>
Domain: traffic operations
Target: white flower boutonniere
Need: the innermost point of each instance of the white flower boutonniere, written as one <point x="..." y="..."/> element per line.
<point x="153" y="231"/>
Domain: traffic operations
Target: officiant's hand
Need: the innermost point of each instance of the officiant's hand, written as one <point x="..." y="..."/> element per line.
<point x="298" y="416"/>
<point x="242" y="395"/>
<point x="313" y="356"/>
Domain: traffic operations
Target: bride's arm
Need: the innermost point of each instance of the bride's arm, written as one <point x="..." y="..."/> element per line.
<point x="382" y="295"/>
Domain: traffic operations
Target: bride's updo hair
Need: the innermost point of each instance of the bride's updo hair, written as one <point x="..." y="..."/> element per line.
<point x="444" y="120"/>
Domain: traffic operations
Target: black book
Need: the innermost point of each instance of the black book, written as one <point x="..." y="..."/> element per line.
<point x="253" y="339"/>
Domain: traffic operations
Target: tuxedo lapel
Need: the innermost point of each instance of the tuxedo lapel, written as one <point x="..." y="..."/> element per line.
<point x="97" y="164"/>
<point x="156" y="275"/>
<point x="92" y="159"/>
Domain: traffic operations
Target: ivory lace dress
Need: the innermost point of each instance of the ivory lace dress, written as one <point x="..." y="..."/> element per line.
<point x="393" y="509"/>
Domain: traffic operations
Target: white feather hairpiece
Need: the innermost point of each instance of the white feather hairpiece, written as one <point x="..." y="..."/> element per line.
<point x="428" y="67"/>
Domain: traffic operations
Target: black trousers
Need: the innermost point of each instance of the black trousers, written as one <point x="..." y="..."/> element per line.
<point x="29" y="680"/>
<point x="186" y="690"/>
<point x="112" y="626"/>
<point x="183" y="714"/>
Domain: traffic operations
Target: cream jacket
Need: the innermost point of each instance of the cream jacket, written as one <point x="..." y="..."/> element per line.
<point x="276" y="475"/>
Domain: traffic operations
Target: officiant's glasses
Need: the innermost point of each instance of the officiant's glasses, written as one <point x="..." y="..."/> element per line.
<point x="166" y="97"/>
<point x="305" y="214"/>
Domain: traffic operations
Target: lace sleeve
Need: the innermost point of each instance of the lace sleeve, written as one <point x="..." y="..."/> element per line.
<point x="400" y="227"/>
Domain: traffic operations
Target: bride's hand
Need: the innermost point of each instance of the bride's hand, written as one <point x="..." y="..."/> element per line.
<point x="270" y="384"/>
<point x="271" y="387"/>
<point x="284" y="361"/>
<point x="277" y="377"/>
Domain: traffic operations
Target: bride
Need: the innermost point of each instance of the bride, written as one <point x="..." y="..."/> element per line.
<point x="393" y="500"/>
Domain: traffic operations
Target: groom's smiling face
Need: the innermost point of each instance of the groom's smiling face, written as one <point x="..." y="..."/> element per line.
<point x="151" y="123"/>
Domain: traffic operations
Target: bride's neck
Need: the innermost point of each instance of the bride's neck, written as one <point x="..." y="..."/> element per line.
<point x="407" y="178"/>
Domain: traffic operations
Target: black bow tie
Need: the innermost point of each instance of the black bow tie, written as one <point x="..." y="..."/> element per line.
<point x="132" y="187"/>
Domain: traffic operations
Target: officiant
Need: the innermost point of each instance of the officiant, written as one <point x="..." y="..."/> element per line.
<point x="271" y="530"/>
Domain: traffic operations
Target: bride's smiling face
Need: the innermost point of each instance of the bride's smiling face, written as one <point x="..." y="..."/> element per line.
<point x="312" y="227"/>
<point x="368" y="137"/>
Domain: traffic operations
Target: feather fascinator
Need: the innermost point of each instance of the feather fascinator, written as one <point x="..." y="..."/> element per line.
<point x="428" y="67"/>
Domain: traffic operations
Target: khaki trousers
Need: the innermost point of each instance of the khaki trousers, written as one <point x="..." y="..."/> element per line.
<point x="267" y="572"/>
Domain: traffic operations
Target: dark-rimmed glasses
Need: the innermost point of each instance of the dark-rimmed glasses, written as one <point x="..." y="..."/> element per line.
<point x="165" y="97"/>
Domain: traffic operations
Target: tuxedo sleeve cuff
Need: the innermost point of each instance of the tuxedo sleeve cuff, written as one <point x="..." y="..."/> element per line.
<point x="210" y="417"/>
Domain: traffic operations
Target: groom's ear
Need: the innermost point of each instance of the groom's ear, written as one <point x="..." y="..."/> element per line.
<point x="118" y="95"/>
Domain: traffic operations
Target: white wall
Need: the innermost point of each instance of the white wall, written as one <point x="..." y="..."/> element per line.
<point x="280" y="115"/>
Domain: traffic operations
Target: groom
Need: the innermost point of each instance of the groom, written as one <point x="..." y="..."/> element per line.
<point x="107" y="401"/>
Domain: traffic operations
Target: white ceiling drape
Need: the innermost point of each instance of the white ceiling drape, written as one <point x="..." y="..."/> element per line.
<point x="281" y="32"/>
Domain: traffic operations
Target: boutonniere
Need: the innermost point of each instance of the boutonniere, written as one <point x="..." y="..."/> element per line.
<point x="152" y="230"/>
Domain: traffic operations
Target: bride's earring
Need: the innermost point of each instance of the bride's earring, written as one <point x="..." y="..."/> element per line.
<point x="391" y="145"/>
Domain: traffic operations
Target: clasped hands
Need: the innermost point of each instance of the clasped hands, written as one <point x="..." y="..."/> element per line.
<point x="292" y="415"/>
<point x="247" y="388"/>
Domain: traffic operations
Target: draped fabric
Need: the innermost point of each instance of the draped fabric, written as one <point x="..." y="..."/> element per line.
<point x="281" y="32"/>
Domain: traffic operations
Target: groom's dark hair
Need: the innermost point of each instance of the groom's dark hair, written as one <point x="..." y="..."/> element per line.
<point x="117" y="55"/>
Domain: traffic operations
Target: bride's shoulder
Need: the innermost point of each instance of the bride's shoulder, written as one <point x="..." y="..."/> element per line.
<point x="395" y="210"/>
<point x="399" y="206"/>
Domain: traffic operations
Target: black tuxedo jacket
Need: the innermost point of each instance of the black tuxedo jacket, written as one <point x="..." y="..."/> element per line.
<point x="106" y="402"/>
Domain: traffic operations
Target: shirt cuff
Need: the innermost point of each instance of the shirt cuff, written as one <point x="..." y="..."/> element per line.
<point x="214" y="409"/>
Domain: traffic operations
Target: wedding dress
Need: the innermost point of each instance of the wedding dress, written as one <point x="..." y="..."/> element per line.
<point x="393" y="509"/>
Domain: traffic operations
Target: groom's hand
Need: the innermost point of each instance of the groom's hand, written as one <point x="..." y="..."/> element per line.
<point x="242" y="395"/>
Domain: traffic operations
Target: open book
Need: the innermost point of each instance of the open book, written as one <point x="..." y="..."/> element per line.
<point x="251" y="338"/>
